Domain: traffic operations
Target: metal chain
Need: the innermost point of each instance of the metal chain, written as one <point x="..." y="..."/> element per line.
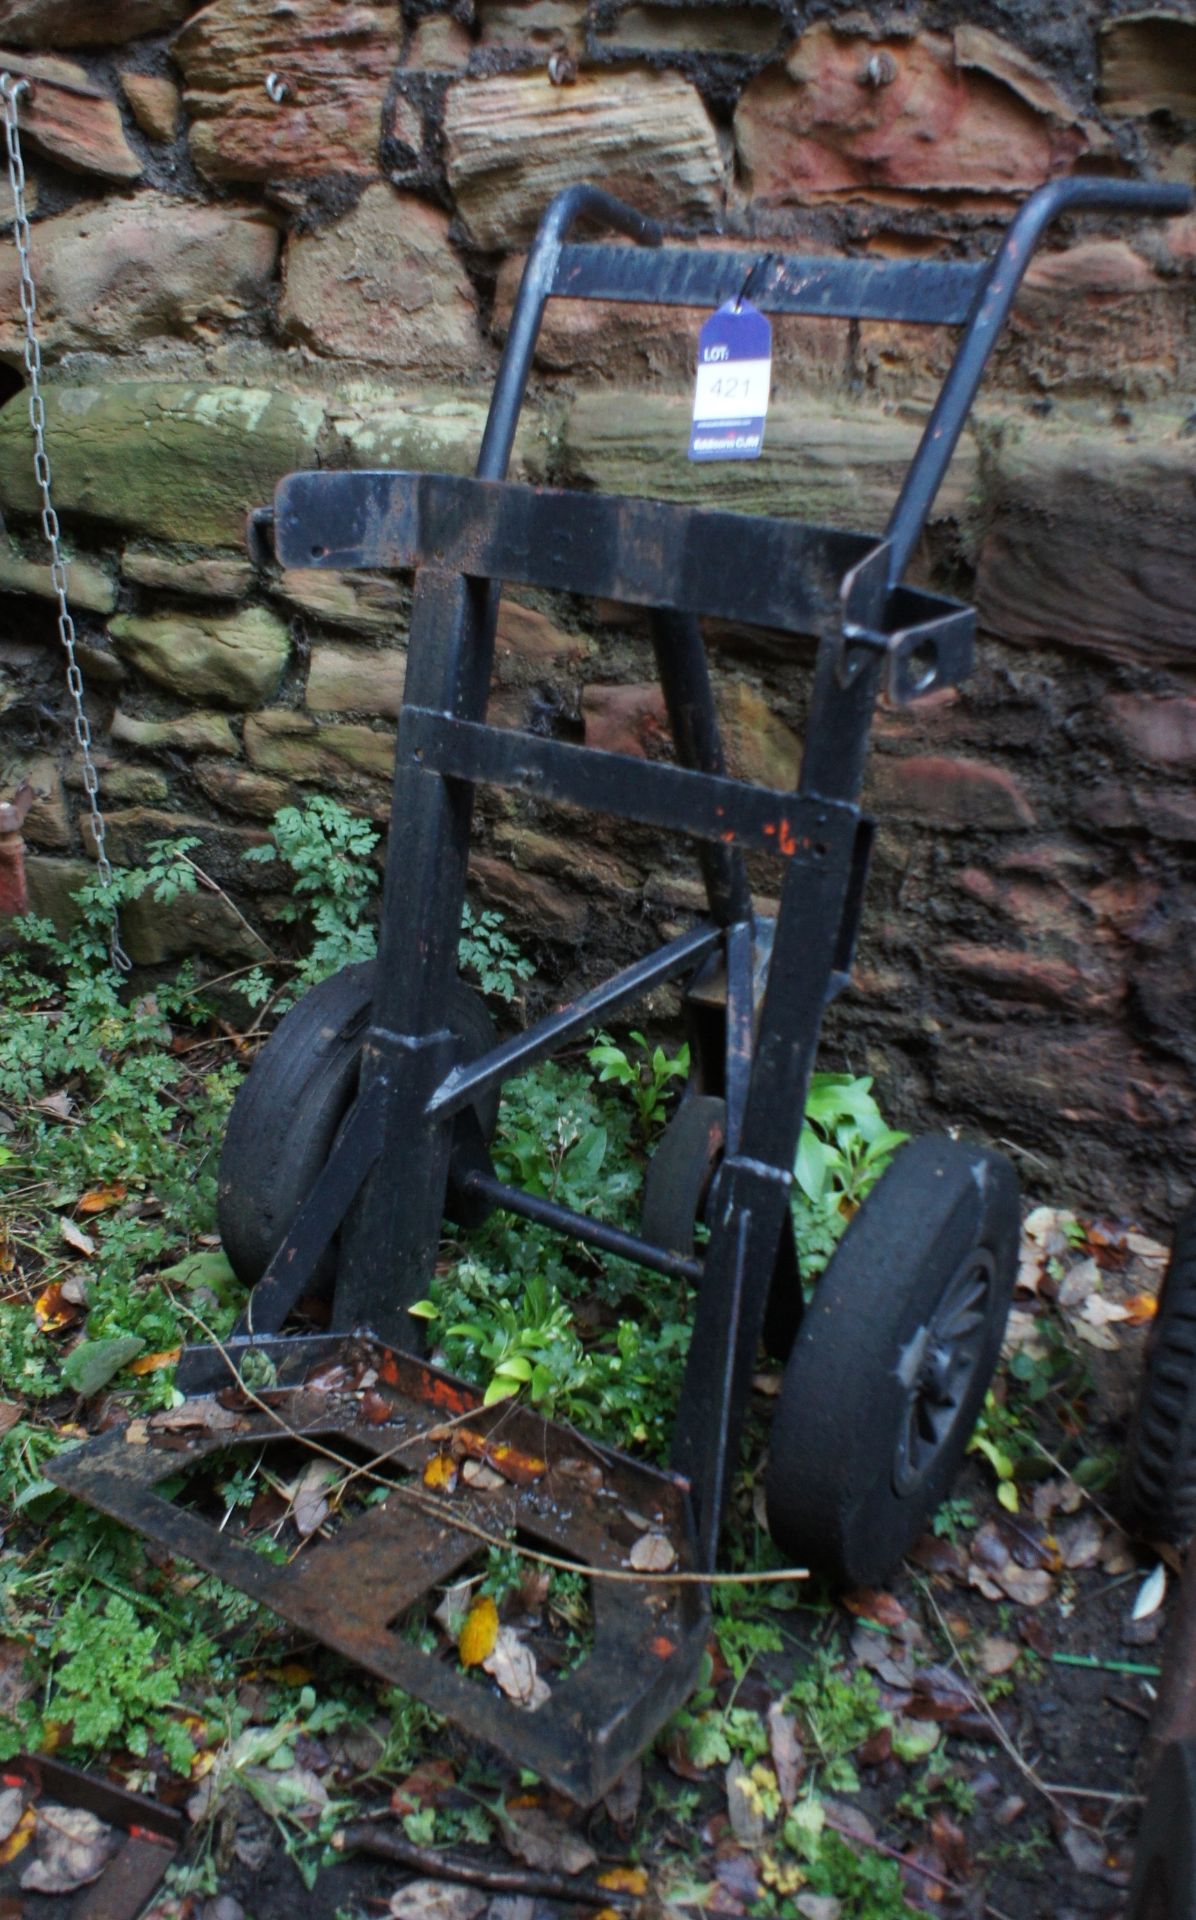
<point x="10" y="93"/>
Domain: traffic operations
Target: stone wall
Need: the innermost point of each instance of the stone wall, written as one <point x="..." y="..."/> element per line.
<point x="272" y="233"/>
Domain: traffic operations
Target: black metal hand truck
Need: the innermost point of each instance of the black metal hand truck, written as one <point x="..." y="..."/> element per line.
<point x="365" y="1119"/>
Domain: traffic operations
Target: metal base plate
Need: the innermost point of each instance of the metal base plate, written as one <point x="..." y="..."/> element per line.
<point x="390" y="1538"/>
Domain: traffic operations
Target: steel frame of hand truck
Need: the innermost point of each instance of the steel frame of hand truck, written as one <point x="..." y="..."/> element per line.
<point x="411" y="1147"/>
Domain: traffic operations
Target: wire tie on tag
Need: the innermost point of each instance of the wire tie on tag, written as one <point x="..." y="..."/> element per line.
<point x="755" y="272"/>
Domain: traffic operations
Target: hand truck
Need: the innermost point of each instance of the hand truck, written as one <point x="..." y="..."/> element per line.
<point x="365" y="1119"/>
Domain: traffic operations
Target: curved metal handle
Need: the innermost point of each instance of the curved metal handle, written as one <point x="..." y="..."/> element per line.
<point x="575" y="203"/>
<point x="996" y="296"/>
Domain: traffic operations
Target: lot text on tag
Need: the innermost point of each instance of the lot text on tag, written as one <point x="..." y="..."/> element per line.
<point x="731" y="391"/>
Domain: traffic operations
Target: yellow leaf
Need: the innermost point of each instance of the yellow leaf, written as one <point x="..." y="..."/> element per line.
<point x="99" y="1199"/>
<point x="1140" y="1307"/>
<point x="441" y="1473"/>
<point x="479" y="1633"/>
<point x="150" y="1362"/>
<point x="19" y="1838"/>
<point x="51" y="1311"/>
<point x="624" y="1879"/>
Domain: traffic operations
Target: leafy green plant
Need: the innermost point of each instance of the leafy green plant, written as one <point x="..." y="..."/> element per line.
<point x="488" y="952"/>
<point x="334" y="881"/>
<point x="648" y="1077"/>
<point x="839" y="1709"/>
<point x="845" y="1146"/>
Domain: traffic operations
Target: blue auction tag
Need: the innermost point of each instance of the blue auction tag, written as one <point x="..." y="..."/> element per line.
<point x="731" y="394"/>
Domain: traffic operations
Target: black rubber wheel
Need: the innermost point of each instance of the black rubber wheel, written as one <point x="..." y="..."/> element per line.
<point x="1158" y="1483"/>
<point x="677" y="1188"/>
<point x="679" y="1173"/>
<point x="891" y="1362"/>
<point x="286" y="1115"/>
<point x="1163" y="1886"/>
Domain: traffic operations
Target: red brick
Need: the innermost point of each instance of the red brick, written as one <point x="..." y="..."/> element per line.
<point x="955" y="794"/>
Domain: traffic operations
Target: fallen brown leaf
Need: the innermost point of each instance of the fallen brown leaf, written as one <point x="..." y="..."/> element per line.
<point x="52" y="1312"/>
<point x="512" y="1664"/>
<point x="436" y="1900"/>
<point x="309" y="1507"/>
<point x="540" y="1840"/>
<point x="75" y="1237"/>
<point x="154" y="1362"/>
<point x="786" y="1752"/>
<point x="743" y="1805"/>
<point x="10" y="1414"/>
<point x="73" y="1848"/>
<point x="194" y="1416"/>
<point x="652" y="1553"/>
<point x="521" y="1469"/>
<point x="868" y="1603"/>
<point x="101" y="1199"/>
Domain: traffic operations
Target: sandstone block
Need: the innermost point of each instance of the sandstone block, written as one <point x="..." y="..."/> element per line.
<point x="527" y="644"/>
<point x="237" y="658"/>
<point x="513" y="141"/>
<point x="743" y="29"/>
<point x="127" y="786"/>
<point x="52" y="886"/>
<point x="292" y="745"/>
<point x="1092" y="543"/>
<point x="367" y="602"/>
<point x="155" y="103"/>
<point x="48" y="821"/>
<point x="852" y="114"/>
<point x="952" y="794"/>
<point x="571" y="859"/>
<point x="239" y="790"/>
<point x="191" y="733"/>
<point x="356" y="680"/>
<point x="184" y="461"/>
<point x="1148" y="62"/>
<point x="112" y="275"/>
<point x="86" y="23"/>
<point x="91" y="587"/>
<point x="71" y="118"/>
<point x="438" y="44"/>
<point x="759" y="746"/>
<point x="334" y="58"/>
<point x="621" y="343"/>
<point x="1045" y="979"/>
<point x="209" y="576"/>
<point x="627" y="719"/>
<point x="384" y="284"/>
<point x="132" y="832"/>
<point x="1097" y="313"/>
<point x="1162" y="731"/>
<point x="533" y="902"/>
<point x="533" y="26"/>
<point x="154" y="932"/>
<point x="834" y="466"/>
<point x="370" y="426"/>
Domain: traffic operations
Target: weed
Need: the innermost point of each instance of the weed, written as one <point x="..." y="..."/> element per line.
<point x="487" y="951"/>
<point x="647" y="1078"/>
<point x="844" y="1148"/>
<point x="838" y="1709"/>
<point x="953" y="1517"/>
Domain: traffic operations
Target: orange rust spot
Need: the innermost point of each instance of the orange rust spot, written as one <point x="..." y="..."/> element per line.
<point x="787" y="843"/>
<point x="729" y="836"/>
<point x="442" y="1393"/>
<point x="663" y="1647"/>
<point x="769" y="829"/>
<point x="388" y="1369"/>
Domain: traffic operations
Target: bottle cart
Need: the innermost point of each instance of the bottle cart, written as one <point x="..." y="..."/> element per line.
<point x="365" y="1119"/>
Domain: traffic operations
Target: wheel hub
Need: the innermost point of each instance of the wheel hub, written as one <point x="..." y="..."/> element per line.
<point x="949" y="1349"/>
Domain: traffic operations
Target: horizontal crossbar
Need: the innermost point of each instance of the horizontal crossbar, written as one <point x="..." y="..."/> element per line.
<point x="465" y="1085"/>
<point x="919" y="292"/>
<point x="763" y="571"/>
<point x="791" y="825"/>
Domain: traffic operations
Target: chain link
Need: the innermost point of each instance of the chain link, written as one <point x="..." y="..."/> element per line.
<point x="10" y="93"/>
